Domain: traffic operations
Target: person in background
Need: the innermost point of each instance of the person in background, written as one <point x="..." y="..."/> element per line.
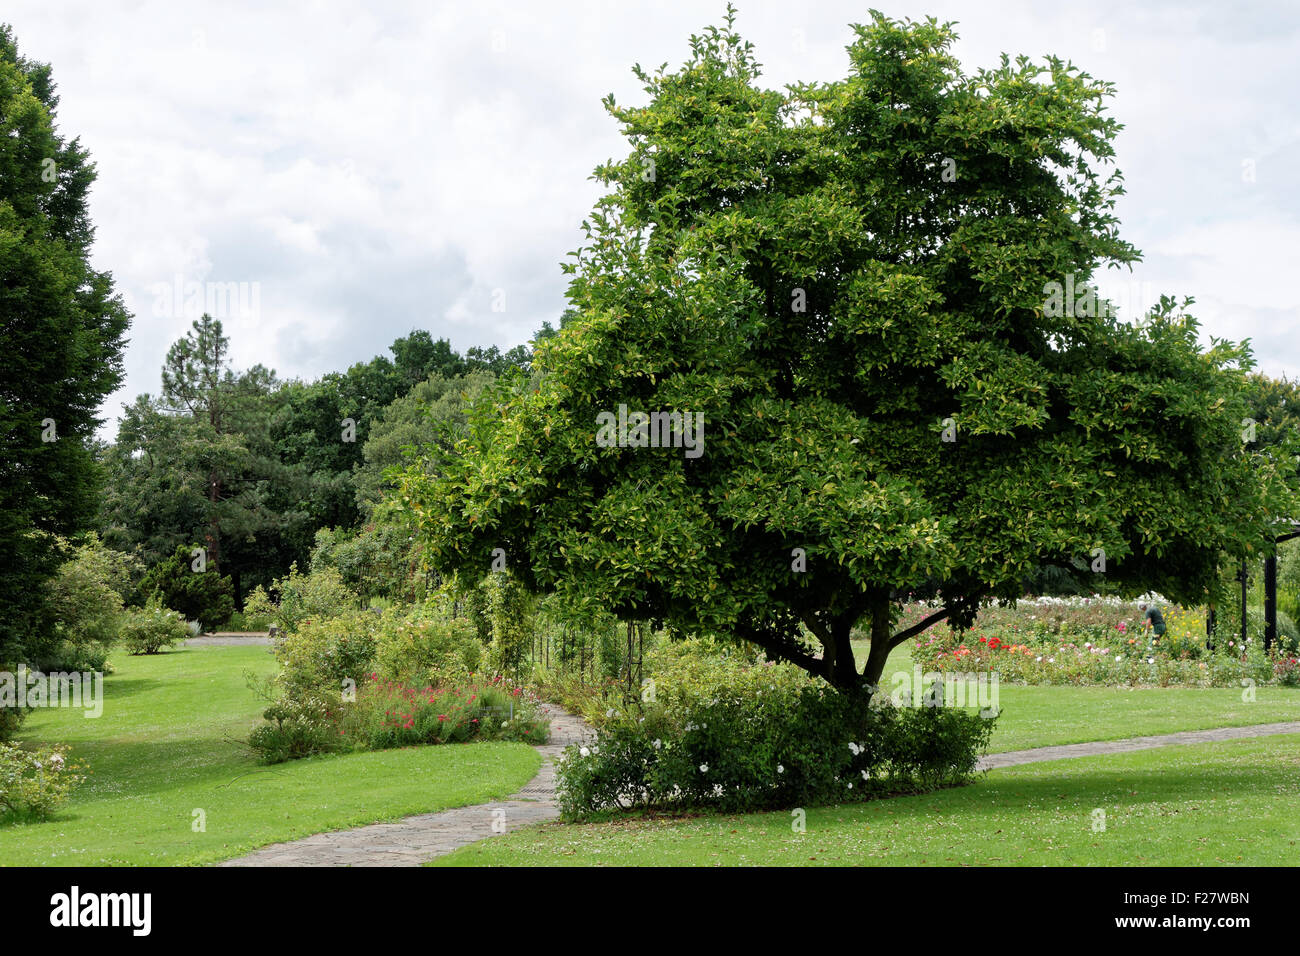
<point x="1153" y="619"/>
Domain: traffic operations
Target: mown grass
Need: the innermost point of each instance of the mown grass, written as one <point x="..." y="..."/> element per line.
<point x="1229" y="803"/>
<point x="1049" y="716"/>
<point x="171" y="741"/>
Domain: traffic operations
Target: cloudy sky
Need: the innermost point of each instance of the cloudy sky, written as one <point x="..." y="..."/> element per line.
<point x="368" y="168"/>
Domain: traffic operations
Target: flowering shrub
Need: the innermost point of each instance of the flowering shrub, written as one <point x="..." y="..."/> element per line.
<point x="391" y="714"/>
<point x="35" y="782"/>
<point x="784" y="747"/>
<point x="1287" y="671"/>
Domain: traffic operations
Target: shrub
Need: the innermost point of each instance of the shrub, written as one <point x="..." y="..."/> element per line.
<point x="1286" y="670"/>
<point x="1095" y="641"/>
<point x="148" y="630"/>
<point x="511" y="614"/>
<point x="324" y="653"/>
<point x="11" y="718"/>
<point x="203" y="596"/>
<point x="33" y="783"/>
<point x="425" y="646"/>
<point x="259" y="607"/>
<point x="304" y="597"/>
<point x="86" y="602"/>
<point x="768" y="747"/>
<point x="374" y="561"/>
<point x="248" y="621"/>
<point x="1288" y="635"/>
<point x="299" y="725"/>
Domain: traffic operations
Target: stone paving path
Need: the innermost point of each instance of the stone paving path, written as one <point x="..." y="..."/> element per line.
<point x="413" y="840"/>
<point x="1014" y="757"/>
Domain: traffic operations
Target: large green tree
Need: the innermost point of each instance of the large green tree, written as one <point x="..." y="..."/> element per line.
<point x="62" y="331"/>
<point x="874" y="290"/>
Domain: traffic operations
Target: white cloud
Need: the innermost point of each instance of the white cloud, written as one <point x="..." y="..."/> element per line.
<point x="383" y="166"/>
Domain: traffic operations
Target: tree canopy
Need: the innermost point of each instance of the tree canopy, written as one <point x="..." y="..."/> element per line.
<point x="876" y="293"/>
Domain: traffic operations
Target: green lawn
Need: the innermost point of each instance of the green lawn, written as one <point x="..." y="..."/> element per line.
<point x="1048" y="716"/>
<point x="171" y="740"/>
<point x="1204" y="805"/>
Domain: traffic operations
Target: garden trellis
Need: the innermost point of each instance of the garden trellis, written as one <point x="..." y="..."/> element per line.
<point x="1270" y="592"/>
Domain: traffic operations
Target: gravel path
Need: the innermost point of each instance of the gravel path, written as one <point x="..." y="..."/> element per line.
<point x="413" y="840"/>
<point x="1038" y="754"/>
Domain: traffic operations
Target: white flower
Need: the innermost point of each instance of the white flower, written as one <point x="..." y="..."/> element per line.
<point x="1151" y="660"/>
<point x="1039" y="657"/>
<point x="584" y="751"/>
<point x="780" y="769"/>
<point x="850" y="785"/>
<point x="610" y="712"/>
<point x="865" y="776"/>
<point x="656" y="743"/>
<point x="56" y="761"/>
<point x="854" y="748"/>
<point x="1051" y="660"/>
<point x="704" y="768"/>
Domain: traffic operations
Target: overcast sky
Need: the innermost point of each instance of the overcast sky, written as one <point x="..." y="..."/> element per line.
<point x="375" y="167"/>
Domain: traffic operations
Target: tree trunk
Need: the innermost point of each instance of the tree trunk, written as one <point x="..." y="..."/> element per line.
<point x="880" y="643"/>
<point x="843" y="671"/>
<point x="214" y="526"/>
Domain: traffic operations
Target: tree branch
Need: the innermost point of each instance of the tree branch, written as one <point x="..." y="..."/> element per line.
<point x="786" y="649"/>
<point x="919" y="626"/>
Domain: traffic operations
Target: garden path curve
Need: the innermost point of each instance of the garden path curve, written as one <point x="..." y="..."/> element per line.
<point x="414" y="840"/>
<point x="1038" y="754"/>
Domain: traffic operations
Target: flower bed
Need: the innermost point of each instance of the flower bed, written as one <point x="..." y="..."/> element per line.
<point x="389" y="713"/>
<point x="1094" y="641"/>
<point x="393" y="714"/>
